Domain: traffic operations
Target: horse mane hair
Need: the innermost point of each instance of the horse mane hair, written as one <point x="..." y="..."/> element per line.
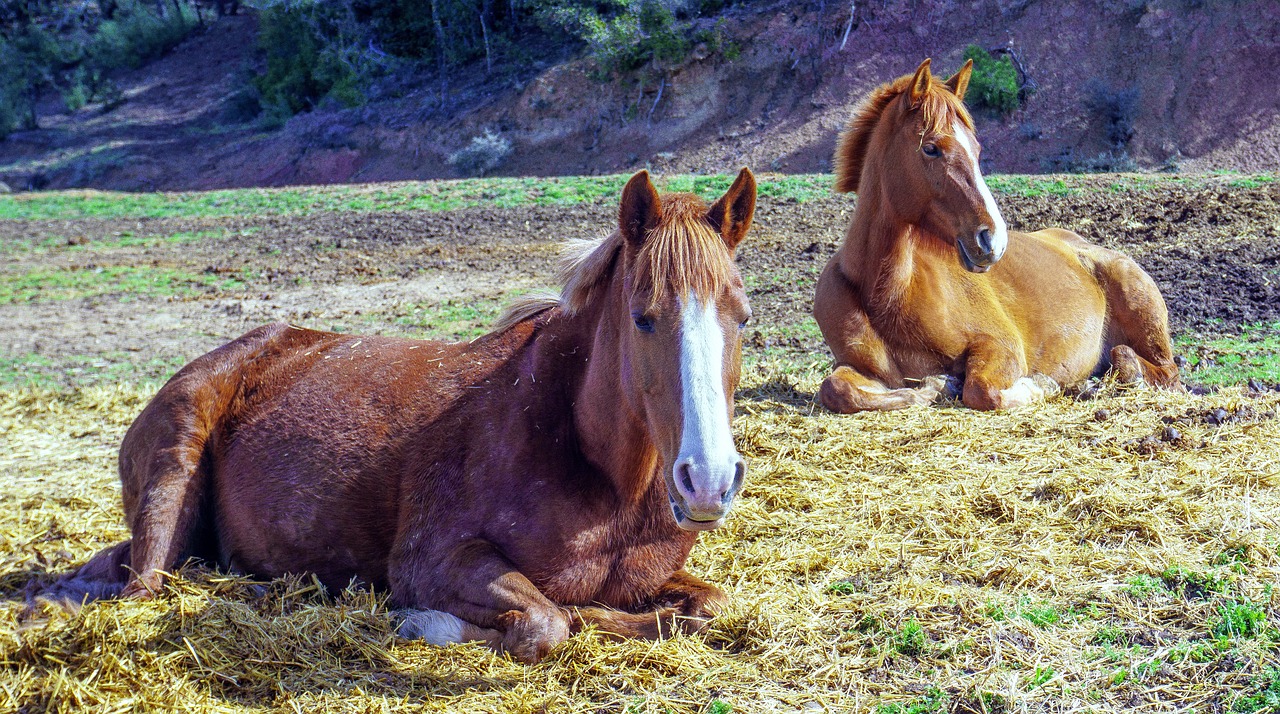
<point x="683" y="255"/>
<point x="937" y="108"/>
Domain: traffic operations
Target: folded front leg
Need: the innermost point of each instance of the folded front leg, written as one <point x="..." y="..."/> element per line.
<point x="996" y="378"/>
<point x="474" y="593"/>
<point x="684" y="603"/>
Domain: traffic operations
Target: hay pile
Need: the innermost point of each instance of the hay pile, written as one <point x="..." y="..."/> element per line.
<point x="1079" y="555"/>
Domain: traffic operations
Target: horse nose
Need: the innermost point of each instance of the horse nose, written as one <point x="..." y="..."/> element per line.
<point x="709" y="489"/>
<point x="984" y="241"/>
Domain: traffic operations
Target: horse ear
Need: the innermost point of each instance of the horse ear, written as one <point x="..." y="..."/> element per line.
<point x="920" y="84"/>
<point x="959" y="82"/>
<point x="641" y="209"/>
<point x="732" y="214"/>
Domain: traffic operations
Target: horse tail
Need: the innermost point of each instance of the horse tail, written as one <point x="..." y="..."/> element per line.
<point x="104" y="576"/>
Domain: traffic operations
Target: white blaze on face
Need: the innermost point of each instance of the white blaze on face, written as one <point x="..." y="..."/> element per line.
<point x="999" y="232"/>
<point x="706" y="444"/>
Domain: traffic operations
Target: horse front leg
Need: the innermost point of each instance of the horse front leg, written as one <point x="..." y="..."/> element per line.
<point x="472" y="594"/>
<point x="682" y="604"/>
<point x="996" y="379"/>
<point x="848" y="391"/>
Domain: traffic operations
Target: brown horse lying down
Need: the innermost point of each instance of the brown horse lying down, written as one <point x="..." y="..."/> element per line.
<point x="929" y="285"/>
<point x="549" y="475"/>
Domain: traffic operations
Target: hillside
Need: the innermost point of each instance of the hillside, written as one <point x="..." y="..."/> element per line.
<point x="1198" y="69"/>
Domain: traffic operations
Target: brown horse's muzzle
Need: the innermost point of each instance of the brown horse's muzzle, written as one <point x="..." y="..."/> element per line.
<point x="981" y="250"/>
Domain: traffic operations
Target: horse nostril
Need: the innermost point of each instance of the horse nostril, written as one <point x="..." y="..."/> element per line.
<point x="984" y="240"/>
<point x="739" y="473"/>
<point x="686" y="480"/>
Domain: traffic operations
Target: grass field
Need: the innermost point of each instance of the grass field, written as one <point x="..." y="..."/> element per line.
<point x="1119" y="552"/>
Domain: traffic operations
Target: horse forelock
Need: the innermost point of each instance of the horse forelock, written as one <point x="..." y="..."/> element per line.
<point x="938" y="108"/>
<point x="683" y="255"/>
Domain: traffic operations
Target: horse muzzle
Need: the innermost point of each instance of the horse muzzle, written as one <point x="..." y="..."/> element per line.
<point x="701" y="494"/>
<point x="981" y="251"/>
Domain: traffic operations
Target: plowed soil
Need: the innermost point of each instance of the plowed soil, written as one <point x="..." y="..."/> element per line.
<point x="1213" y="250"/>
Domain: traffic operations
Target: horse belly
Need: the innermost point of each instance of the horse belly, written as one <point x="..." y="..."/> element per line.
<point x="309" y="481"/>
<point x="274" y="518"/>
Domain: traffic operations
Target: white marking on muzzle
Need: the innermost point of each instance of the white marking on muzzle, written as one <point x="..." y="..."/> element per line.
<point x="999" y="232"/>
<point x="706" y="442"/>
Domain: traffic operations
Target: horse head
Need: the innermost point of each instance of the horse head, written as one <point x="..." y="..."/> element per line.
<point x="681" y="339"/>
<point x="913" y="141"/>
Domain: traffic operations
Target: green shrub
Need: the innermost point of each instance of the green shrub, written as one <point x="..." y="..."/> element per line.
<point x="44" y="48"/>
<point x="136" y="34"/>
<point x="994" y="83"/>
<point x="638" y="32"/>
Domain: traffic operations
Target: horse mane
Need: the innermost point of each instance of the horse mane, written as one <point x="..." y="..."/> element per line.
<point x="683" y="255"/>
<point x="937" y="108"/>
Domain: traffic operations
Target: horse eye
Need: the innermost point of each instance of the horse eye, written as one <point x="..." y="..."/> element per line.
<point x="932" y="151"/>
<point x="643" y="323"/>
<point x="743" y="325"/>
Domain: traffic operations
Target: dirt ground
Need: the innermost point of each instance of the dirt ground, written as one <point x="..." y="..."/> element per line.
<point x="1214" y="251"/>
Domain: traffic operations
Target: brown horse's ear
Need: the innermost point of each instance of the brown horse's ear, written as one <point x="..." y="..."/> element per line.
<point x="959" y="82"/>
<point x="920" y="84"/>
<point x="641" y="210"/>
<point x="732" y="214"/>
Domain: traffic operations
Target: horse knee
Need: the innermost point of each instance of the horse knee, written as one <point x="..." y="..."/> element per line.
<point x="530" y="634"/>
<point x="840" y="394"/>
<point x="1023" y="391"/>
<point x="1125" y="365"/>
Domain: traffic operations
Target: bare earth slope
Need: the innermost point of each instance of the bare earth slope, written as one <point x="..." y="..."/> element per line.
<point x="1202" y="72"/>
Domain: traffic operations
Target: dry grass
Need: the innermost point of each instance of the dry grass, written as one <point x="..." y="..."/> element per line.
<point x="938" y="559"/>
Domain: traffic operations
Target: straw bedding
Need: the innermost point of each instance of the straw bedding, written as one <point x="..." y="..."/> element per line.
<point x="1103" y="555"/>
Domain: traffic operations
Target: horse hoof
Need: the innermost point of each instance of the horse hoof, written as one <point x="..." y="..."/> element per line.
<point x="1047" y="384"/>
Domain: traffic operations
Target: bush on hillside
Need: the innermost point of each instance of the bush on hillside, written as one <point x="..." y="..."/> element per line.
<point x="136" y="34"/>
<point x="348" y="50"/>
<point x="44" y="47"/>
<point x="484" y="154"/>
<point x="1116" y="108"/>
<point x="641" y="31"/>
<point x="994" y="82"/>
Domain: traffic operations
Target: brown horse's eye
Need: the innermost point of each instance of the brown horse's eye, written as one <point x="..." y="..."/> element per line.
<point x="643" y="323"/>
<point x="743" y="325"/>
<point x="931" y="150"/>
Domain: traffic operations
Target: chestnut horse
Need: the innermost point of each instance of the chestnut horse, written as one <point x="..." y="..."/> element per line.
<point x="549" y="475"/>
<point x="929" y="286"/>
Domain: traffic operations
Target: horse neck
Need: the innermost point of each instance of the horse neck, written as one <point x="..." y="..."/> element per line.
<point x="611" y="434"/>
<point x="877" y="255"/>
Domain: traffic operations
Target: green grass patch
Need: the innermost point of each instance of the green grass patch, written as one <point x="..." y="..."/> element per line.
<point x="45" y="284"/>
<point x="36" y="370"/>
<point x="1145" y="587"/>
<point x="452" y="319"/>
<point x="934" y="700"/>
<point x="1040" y="677"/>
<point x="910" y="639"/>
<point x="499" y="193"/>
<point x="1239" y="619"/>
<point x="1265" y="696"/>
<point x="1252" y="354"/>
<point x="417" y="196"/>
<point x="121" y="239"/>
